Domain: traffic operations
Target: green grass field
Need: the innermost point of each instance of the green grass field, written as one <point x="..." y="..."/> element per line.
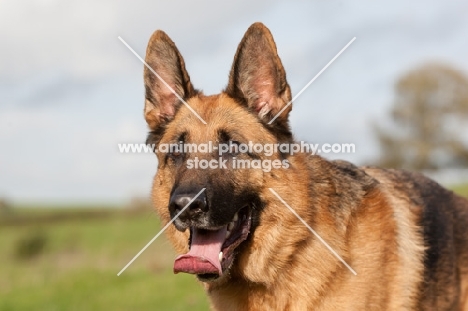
<point x="76" y="267"/>
<point x="56" y="259"/>
<point x="461" y="189"/>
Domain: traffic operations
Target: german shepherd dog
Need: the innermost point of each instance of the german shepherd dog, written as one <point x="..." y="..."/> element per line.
<point x="404" y="235"/>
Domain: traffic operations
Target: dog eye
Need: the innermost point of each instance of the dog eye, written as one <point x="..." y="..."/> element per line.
<point x="234" y="148"/>
<point x="175" y="154"/>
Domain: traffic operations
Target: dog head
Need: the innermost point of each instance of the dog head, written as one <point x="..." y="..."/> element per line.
<point x="221" y="207"/>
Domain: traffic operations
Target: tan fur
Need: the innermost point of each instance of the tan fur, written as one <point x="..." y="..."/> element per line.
<point x="373" y="218"/>
<point x="410" y="244"/>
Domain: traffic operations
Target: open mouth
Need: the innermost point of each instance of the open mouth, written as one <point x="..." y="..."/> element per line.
<point x="212" y="250"/>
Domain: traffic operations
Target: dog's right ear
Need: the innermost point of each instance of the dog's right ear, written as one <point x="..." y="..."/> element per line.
<point x="168" y="65"/>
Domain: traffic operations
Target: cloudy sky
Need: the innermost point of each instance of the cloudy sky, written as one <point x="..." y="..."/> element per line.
<point x="70" y="91"/>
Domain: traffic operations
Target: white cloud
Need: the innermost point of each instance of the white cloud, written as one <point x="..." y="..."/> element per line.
<point x="70" y="91"/>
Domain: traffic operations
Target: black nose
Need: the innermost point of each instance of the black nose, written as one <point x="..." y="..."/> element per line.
<point x="179" y="201"/>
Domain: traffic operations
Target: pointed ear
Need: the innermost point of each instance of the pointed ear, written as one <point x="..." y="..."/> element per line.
<point x="257" y="76"/>
<point x="161" y="103"/>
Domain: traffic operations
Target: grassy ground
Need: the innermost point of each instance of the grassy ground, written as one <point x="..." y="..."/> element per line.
<point x="68" y="259"/>
<point x="461" y="189"/>
<point x="73" y="265"/>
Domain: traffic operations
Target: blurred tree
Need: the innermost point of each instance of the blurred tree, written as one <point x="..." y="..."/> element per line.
<point x="5" y="207"/>
<point x="430" y="115"/>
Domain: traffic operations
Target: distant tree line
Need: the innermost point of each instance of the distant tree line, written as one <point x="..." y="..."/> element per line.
<point x="429" y="117"/>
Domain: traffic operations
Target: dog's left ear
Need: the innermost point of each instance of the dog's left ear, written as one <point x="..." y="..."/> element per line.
<point x="257" y="76"/>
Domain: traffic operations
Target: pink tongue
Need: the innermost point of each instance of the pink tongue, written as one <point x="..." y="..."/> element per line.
<point x="203" y="256"/>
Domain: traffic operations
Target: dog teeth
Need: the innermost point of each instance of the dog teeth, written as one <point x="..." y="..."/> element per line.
<point x="220" y="256"/>
<point x="231" y="225"/>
